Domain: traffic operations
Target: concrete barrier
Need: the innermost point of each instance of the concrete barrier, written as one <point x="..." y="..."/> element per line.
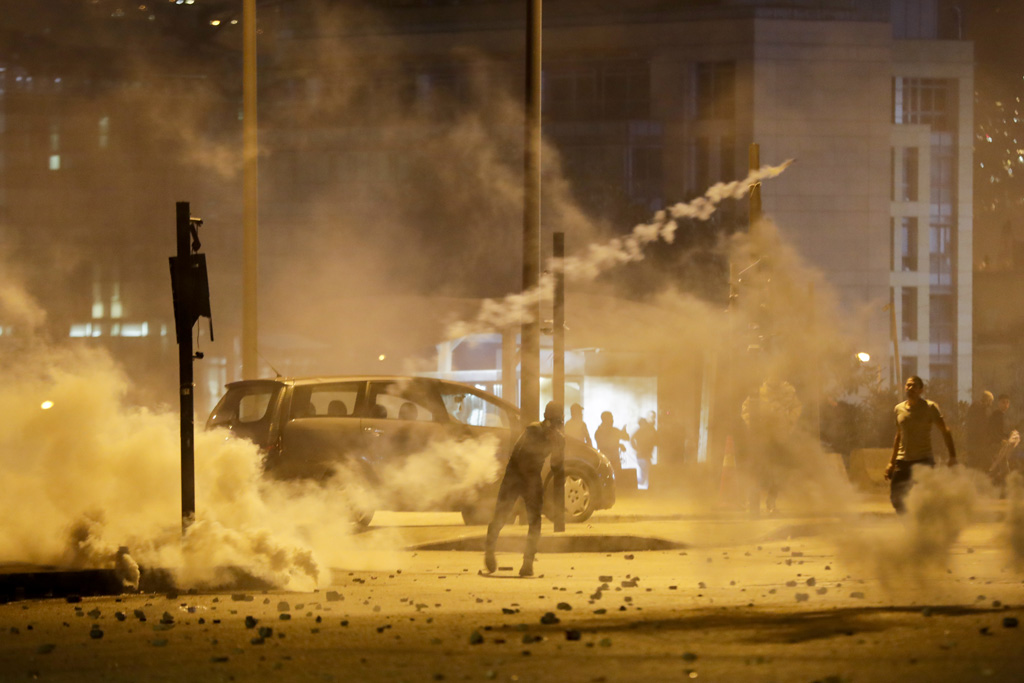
<point x="867" y="467"/>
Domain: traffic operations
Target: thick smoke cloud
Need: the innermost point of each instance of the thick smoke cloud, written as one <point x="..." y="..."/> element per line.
<point x="92" y="481"/>
<point x="94" y="475"/>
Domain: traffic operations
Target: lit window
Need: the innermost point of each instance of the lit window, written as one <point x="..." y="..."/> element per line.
<point x="81" y="330"/>
<point x="116" y="310"/>
<point x="97" y="309"/>
<point x="54" y="162"/>
<point x="104" y="132"/>
<point x="135" y="330"/>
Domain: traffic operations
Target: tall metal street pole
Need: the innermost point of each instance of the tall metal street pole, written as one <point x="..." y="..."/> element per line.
<point x="754" y="163"/>
<point x="250" y="193"/>
<point x="529" y="391"/>
<point x="183" y="327"/>
<point x="558" y="331"/>
<point x="558" y="372"/>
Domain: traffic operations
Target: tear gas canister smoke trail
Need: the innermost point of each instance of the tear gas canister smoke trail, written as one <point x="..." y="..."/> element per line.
<point x="496" y="314"/>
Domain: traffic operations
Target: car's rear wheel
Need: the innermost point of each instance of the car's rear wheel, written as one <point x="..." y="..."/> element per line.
<point x="580" y="495"/>
<point x="362" y="518"/>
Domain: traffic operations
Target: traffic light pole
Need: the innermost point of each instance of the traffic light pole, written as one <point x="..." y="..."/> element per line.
<point x="190" y="291"/>
<point x="185" y="374"/>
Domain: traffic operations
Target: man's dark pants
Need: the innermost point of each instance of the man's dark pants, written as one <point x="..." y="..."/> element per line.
<point x="514" y="485"/>
<point x="902" y="480"/>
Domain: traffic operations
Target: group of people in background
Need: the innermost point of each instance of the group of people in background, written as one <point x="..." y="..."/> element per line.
<point x="991" y="441"/>
<point x="609" y="440"/>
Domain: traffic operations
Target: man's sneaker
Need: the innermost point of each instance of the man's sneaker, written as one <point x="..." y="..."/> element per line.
<point x="489" y="561"/>
<point x="527" y="568"/>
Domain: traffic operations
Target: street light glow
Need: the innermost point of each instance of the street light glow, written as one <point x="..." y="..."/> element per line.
<point x="864" y="357"/>
<point x="46" y="405"/>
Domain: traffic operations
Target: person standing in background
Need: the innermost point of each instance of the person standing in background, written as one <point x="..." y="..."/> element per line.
<point x="977" y="431"/>
<point x="912" y="447"/>
<point x="609" y="441"/>
<point x="576" y="428"/>
<point x="644" y="440"/>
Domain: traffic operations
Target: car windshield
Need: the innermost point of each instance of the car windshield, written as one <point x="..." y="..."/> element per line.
<point x="471" y="409"/>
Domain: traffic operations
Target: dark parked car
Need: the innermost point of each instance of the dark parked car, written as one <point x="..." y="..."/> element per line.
<point x="387" y="435"/>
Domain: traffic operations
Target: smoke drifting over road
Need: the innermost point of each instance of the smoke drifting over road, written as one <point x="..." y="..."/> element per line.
<point x="90" y="474"/>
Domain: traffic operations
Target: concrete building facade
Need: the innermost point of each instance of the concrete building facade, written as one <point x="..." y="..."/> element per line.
<point x="650" y="104"/>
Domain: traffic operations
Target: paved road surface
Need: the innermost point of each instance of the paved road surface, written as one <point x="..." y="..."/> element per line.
<point x="733" y="600"/>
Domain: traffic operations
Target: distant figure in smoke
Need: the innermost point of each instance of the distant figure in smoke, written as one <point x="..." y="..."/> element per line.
<point x="997" y="431"/>
<point x="644" y="440"/>
<point x="522" y="479"/>
<point x="913" y="444"/>
<point x="576" y="428"/>
<point x="609" y="441"/>
<point x="977" y="431"/>
<point x="998" y="437"/>
<point x="770" y="416"/>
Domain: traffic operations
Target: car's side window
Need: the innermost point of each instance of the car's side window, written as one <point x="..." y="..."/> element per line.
<point x="326" y="400"/>
<point x="471" y="409"/>
<point x="393" y="401"/>
<point x="336" y="400"/>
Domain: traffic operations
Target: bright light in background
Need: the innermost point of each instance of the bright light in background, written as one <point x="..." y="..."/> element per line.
<point x="864" y="357"/>
<point x="381" y="357"/>
<point x="46" y="405"/>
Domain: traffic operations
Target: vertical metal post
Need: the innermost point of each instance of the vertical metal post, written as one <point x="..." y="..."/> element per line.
<point x="558" y="371"/>
<point x="814" y="384"/>
<point x="529" y="392"/>
<point x="558" y="333"/>
<point x="894" y="333"/>
<point x="184" y="327"/>
<point x="754" y="163"/>
<point x="250" y="193"/>
<point x="509" y="382"/>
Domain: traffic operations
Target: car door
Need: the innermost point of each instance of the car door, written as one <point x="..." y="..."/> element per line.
<point x="403" y="421"/>
<point x="321" y="435"/>
<point x="475" y="414"/>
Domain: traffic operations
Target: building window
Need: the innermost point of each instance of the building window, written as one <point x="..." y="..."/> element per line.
<point x="909" y="332"/>
<point x="603" y="91"/>
<point x="908" y="365"/>
<point x="929" y="101"/>
<point x="941" y="324"/>
<point x="909" y="171"/>
<point x="908" y="243"/>
<point x="104" y="132"/>
<point x="915" y="19"/>
<point x="940" y="249"/>
<point x="716" y="90"/>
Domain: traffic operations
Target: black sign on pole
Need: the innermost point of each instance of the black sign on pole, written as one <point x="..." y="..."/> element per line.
<point x="190" y="291"/>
